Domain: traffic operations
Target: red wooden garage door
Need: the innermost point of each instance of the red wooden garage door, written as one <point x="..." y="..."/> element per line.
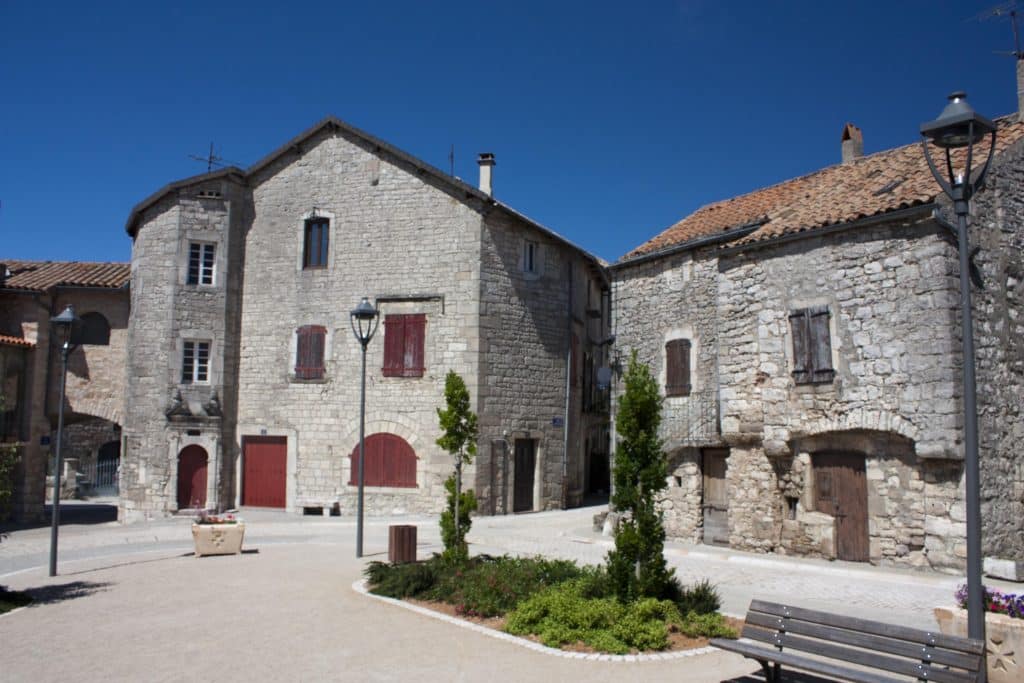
<point x="265" y="471"/>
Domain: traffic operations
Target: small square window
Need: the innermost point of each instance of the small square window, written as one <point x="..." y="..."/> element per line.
<point x="201" y="260"/>
<point x="315" y="242"/>
<point x="195" y="362"/>
<point x="531" y="256"/>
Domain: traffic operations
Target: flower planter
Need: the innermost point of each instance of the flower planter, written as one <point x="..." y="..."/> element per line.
<point x="218" y="539"/>
<point x="1004" y="641"/>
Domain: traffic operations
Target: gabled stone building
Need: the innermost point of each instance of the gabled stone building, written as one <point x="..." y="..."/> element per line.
<point x="31" y="292"/>
<point x="807" y="337"/>
<point x="244" y="384"/>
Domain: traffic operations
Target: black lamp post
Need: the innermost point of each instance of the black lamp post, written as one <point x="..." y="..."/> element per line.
<point x="958" y="127"/>
<point x="62" y="327"/>
<point x="364" y="323"/>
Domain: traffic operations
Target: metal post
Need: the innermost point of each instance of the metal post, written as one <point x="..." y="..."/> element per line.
<point x="58" y="461"/>
<point x="362" y="456"/>
<point x="975" y="597"/>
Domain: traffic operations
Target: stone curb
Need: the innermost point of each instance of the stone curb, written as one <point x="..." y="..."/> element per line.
<point x="360" y="587"/>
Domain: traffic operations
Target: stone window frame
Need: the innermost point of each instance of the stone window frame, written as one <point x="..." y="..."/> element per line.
<point x="199" y="236"/>
<point x="293" y="350"/>
<point x="531" y="269"/>
<point x="203" y="246"/>
<point x="300" y="241"/>
<point x="686" y="332"/>
<point x="212" y="369"/>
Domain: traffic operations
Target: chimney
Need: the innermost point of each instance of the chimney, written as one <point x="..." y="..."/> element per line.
<point x="1020" y="87"/>
<point x="853" y="143"/>
<point x="3" y="274"/>
<point x="486" y="161"/>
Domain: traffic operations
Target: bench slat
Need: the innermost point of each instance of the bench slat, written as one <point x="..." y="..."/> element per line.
<point x="792" y="661"/>
<point x="877" y="628"/>
<point x="915" y="651"/>
<point x="855" y="656"/>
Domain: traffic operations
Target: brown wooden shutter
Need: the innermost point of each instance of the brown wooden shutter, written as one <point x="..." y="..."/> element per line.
<point x="394" y="345"/>
<point x="302" y="352"/>
<point x="309" y="352"/>
<point x="821" y="345"/>
<point x="390" y="461"/>
<point x="677" y="367"/>
<point x="415" y="335"/>
<point x="802" y="365"/>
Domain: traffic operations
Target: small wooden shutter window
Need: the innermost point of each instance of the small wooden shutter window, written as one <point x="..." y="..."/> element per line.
<point x="812" y="346"/>
<point x="309" y="352"/>
<point x="677" y="367"/>
<point x="404" y="338"/>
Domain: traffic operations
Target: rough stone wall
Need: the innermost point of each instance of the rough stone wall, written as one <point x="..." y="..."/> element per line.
<point x="396" y="238"/>
<point x="82" y="440"/>
<point x="998" y="230"/>
<point x="683" y="497"/>
<point x="525" y="322"/>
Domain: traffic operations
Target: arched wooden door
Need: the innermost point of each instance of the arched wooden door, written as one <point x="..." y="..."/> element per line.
<point x="192" y="463"/>
<point x="390" y="461"/>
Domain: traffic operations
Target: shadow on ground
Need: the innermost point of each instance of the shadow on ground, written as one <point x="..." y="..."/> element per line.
<point x="71" y="512"/>
<point x="48" y="595"/>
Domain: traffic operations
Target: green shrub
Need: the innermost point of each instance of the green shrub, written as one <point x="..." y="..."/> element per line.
<point x="702" y="597"/>
<point x="564" y="614"/>
<point x="402" y="580"/>
<point x="706" y="626"/>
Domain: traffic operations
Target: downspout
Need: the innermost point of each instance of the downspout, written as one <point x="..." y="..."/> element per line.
<point x="568" y="396"/>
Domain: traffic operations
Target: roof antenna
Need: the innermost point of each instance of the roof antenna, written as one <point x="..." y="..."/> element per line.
<point x="1006" y="9"/>
<point x="212" y="160"/>
<point x="451" y="161"/>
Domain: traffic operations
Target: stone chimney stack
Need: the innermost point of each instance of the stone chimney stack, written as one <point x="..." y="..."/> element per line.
<point x="487" y="162"/>
<point x="1020" y="87"/>
<point x="852" y="143"/>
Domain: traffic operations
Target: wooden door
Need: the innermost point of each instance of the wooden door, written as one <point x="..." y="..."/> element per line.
<point x="841" y="490"/>
<point x="265" y="471"/>
<point x="192" y="465"/>
<point x="716" y="500"/>
<point x="525" y="464"/>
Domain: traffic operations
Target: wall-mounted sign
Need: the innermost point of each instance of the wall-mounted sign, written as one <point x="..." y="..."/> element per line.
<point x="44" y="440"/>
<point x="263" y="431"/>
<point x="557" y="422"/>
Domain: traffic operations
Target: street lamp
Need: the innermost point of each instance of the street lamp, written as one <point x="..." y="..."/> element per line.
<point x="62" y="327"/>
<point x="364" y="323"/>
<point x="958" y="127"/>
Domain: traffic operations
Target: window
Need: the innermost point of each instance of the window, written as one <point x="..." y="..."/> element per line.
<point x="531" y="256"/>
<point x="403" y="345"/>
<point x="309" y="352"/>
<point x="200" y="263"/>
<point x="314" y="249"/>
<point x="677" y="367"/>
<point x="812" y="347"/>
<point x="390" y="461"/>
<point x="195" y="362"/>
<point x="94" y="330"/>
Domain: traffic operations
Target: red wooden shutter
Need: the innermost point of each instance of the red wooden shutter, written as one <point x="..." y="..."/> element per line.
<point x="394" y="345"/>
<point x="802" y="365"/>
<point x="301" y="351"/>
<point x="390" y="461"/>
<point x="677" y="367"/>
<point x="309" y="352"/>
<point x="821" y="346"/>
<point x="415" y="335"/>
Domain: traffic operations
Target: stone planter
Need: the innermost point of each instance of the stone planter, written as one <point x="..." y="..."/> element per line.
<point x="1004" y="644"/>
<point x="218" y="539"/>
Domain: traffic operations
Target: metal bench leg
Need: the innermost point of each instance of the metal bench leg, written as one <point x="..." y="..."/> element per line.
<point x="771" y="673"/>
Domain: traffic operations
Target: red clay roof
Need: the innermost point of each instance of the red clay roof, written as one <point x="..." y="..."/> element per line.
<point x="6" y="340"/>
<point x="871" y="185"/>
<point x="40" y="276"/>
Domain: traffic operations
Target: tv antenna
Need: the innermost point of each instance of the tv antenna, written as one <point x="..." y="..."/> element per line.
<point x="451" y="160"/>
<point x="212" y="160"/>
<point x="1006" y="9"/>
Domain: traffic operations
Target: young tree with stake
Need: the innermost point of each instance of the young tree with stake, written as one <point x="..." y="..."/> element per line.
<point x="459" y="430"/>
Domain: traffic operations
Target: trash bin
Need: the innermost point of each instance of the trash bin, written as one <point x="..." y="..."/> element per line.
<point x="401" y="543"/>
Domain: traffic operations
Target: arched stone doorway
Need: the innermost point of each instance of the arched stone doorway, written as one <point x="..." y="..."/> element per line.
<point x="192" y="467"/>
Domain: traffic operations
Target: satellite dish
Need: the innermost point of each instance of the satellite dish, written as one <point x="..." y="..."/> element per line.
<point x="604" y="378"/>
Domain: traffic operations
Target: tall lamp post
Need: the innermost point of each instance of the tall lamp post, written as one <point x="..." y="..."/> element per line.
<point x="63" y="326"/>
<point x="959" y="127"/>
<point x="364" y="323"/>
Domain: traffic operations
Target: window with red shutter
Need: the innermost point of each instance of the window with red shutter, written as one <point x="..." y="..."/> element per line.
<point x="677" y="367"/>
<point x="812" y="346"/>
<point x="309" y="352"/>
<point x="390" y="461"/>
<point x="404" y="338"/>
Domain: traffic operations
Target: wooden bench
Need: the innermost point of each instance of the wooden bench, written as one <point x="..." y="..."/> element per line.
<point x="875" y="649"/>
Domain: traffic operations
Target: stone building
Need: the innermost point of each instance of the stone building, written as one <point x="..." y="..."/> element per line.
<point x="31" y="292"/>
<point x="807" y="337"/>
<point x="245" y="374"/>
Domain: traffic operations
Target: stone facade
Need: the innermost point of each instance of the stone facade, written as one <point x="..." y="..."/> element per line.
<point x="413" y="241"/>
<point x="890" y="287"/>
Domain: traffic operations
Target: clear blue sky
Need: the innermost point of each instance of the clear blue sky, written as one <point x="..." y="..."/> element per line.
<point x="610" y="121"/>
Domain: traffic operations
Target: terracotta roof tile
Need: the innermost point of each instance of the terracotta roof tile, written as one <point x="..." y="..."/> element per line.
<point x="40" y="276"/>
<point x="871" y="185"/>
<point x="6" y="340"/>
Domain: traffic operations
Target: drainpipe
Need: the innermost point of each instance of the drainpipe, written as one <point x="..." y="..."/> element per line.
<point x="568" y="396"/>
